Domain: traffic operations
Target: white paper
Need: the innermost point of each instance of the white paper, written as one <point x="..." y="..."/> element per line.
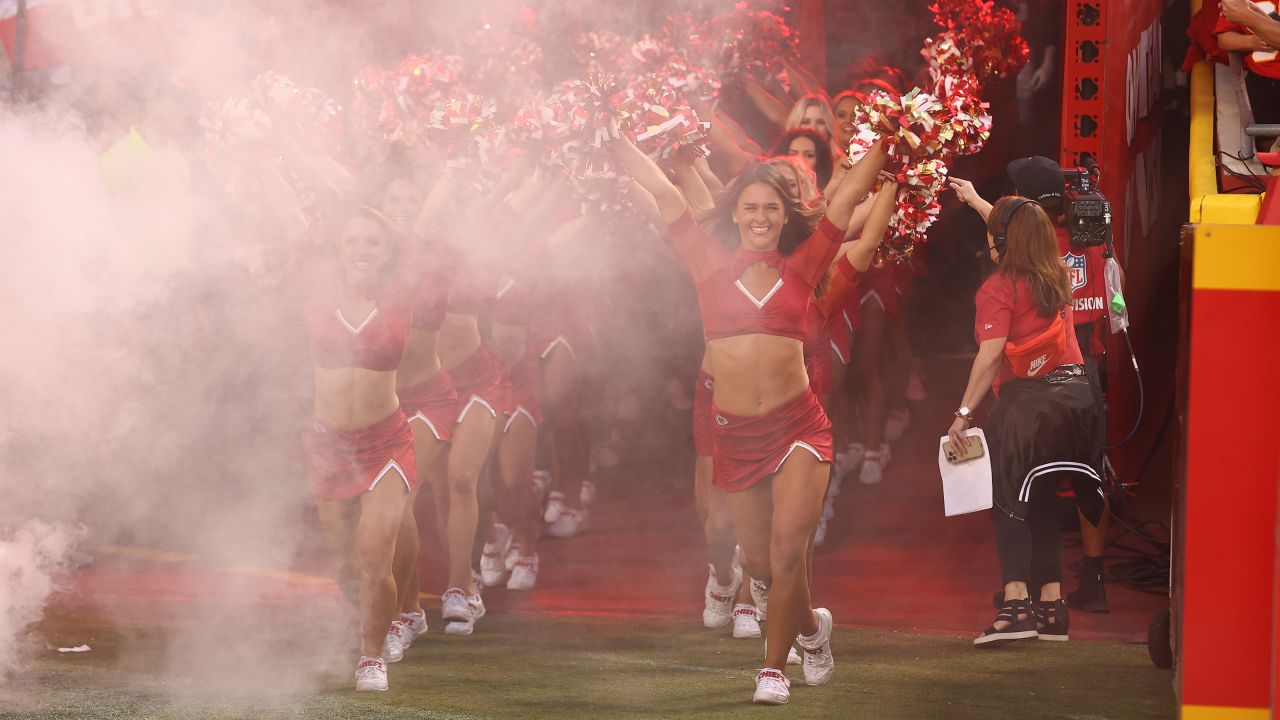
<point x="76" y="649"/>
<point x="966" y="486"/>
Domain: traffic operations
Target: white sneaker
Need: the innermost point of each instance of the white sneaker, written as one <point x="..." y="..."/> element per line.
<point x="745" y="622"/>
<point x="555" y="506"/>
<point x="454" y="606"/>
<point x="772" y="688"/>
<point x="493" y="569"/>
<point x="475" y="611"/>
<point x="524" y="575"/>
<point x="394" y="645"/>
<point x="818" y="663"/>
<point x="588" y="493"/>
<point x="820" y="532"/>
<point x="718" y="611"/>
<point x="541" y="480"/>
<point x="915" y="387"/>
<point x="414" y="626"/>
<point x="569" y="523"/>
<point x="896" y="424"/>
<point x="872" y="469"/>
<point x="371" y="674"/>
<point x="476" y="603"/>
<point x="760" y="594"/>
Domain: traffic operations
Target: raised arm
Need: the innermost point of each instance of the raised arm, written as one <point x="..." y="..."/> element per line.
<point x="861" y="251"/>
<point x="969" y="196"/>
<point x="801" y="76"/>
<point x="855" y="186"/>
<point x="695" y="190"/>
<point x="713" y="183"/>
<point x="773" y="109"/>
<point x="282" y="200"/>
<point x="671" y="202"/>
<point x="326" y="176"/>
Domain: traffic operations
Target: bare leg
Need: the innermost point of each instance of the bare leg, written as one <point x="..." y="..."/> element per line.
<point x="381" y="512"/>
<point x="560" y="389"/>
<point x="867" y="349"/>
<point x="796" y="492"/>
<point x="717" y="520"/>
<point x="338" y="521"/>
<point x="469" y="449"/>
<point x="516" y="450"/>
<point x="431" y="456"/>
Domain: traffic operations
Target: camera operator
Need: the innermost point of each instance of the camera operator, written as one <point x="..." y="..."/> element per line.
<point x="1042" y="180"/>
<point x="1042" y="427"/>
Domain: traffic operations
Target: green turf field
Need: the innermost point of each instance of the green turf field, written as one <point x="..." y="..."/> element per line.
<point x="527" y="666"/>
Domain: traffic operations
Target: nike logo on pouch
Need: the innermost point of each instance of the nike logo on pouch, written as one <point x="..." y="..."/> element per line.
<point x="986" y="326"/>
<point x="1037" y="365"/>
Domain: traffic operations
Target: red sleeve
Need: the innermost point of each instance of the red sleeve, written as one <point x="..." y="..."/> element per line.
<point x="699" y="253"/>
<point x="994" y="308"/>
<point x="843" y="283"/>
<point x="1225" y="25"/>
<point x="815" y="254"/>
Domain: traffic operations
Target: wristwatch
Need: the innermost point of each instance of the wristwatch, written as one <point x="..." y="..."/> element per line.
<point x="965" y="414"/>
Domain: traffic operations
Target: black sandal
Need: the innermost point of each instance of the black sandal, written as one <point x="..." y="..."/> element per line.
<point x="1053" y="619"/>
<point x="1022" y="625"/>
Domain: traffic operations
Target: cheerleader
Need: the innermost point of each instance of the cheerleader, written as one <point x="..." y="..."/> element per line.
<point x="771" y="439"/>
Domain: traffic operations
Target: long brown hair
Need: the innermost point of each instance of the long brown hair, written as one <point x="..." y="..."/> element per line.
<point x="801" y="218"/>
<point x="1030" y="252"/>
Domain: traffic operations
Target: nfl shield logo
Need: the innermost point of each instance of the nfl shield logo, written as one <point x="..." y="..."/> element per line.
<point x="1076" y="268"/>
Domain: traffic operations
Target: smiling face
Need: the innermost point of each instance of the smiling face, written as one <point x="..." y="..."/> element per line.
<point x="844" y="120"/>
<point x="401" y="202"/>
<point x="760" y="214"/>
<point x="814" y="119"/>
<point x="803" y="148"/>
<point x="364" y="249"/>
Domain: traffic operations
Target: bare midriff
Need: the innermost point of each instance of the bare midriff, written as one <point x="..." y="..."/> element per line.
<point x="354" y="398"/>
<point x="420" y="362"/>
<point x="755" y="373"/>
<point x="459" y="337"/>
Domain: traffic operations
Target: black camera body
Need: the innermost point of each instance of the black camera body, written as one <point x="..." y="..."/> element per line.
<point x="1087" y="210"/>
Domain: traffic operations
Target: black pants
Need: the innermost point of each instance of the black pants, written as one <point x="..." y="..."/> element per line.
<point x="1031" y="550"/>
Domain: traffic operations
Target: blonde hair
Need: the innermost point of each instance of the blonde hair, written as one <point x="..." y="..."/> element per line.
<point x="1030" y="252"/>
<point x="806" y="102"/>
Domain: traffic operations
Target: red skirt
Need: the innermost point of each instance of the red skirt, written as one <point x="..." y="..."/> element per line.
<point x="524" y="390"/>
<point x="881" y="287"/>
<point x="478" y="381"/>
<point x="345" y="464"/>
<point x="703" y="444"/>
<point x="749" y="449"/>
<point x="433" y="402"/>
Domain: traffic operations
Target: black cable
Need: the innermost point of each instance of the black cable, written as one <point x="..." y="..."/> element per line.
<point x="1142" y="395"/>
<point x="1251" y="180"/>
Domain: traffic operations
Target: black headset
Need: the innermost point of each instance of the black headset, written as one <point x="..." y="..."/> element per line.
<point x="998" y="242"/>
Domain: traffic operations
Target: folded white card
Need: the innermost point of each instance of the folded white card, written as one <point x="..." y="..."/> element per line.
<point x="966" y="486"/>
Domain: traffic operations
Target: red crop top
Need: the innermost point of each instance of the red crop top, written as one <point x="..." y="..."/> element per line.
<point x="375" y="342"/>
<point x="728" y="308"/>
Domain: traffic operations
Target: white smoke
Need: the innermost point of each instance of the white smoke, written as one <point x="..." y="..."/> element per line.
<point x="29" y="562"/>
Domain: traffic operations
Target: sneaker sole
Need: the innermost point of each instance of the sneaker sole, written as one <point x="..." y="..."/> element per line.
<point x="999" y="639"/>
<point x="716" y="626"/>
<point x="744" y="636"/>
<point x="459" y="628"/>
<point x="371" y="689"/>
<point x="1053" y="638"/>
<point x="769" y="700"/>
